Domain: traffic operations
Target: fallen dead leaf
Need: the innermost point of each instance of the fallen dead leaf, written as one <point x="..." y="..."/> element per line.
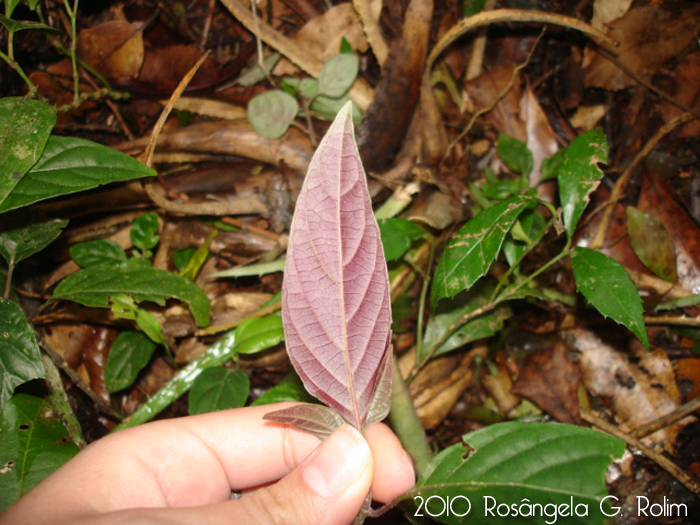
<point x="114" y="48"/>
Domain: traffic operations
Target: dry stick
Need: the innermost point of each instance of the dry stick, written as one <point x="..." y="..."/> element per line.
<point x="147" y="156"/>
<point x="360" y="92"/>
<point x="669" y="419"/>
<point x="621" y="183"/>
<point x="370" y="24"/>
<point x="676" y="320"/>
<point x="476" y="60"/>
<point x="669" y="466"/>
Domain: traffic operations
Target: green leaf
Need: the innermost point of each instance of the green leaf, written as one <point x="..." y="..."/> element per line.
<point x="69" y="165"/>
<point x="397" y="236"/>
<point x="216" y="355"/>
<point x="20" y="25"/>
<point x="652" y="244"/>
<point x="345" y="46"/>
<point x="182" y="257"/>
<point x="579" y="175"/>
<point x="515" y="154"/>
<point x="550" y="166"/>
<point x="130" y="352"/>
<point x="94" y="253"/>
<point x="20" y="357"/>
<point x="338" y="74"/>
<point x="25" y="126"/>
<point x="272" y="112"/>
<point x="33" y="444"/>
<point x="609" y="288"/>
<point x="10" y="6"/>
<point x="258" y="73"/>
<point x="529" y="225"/>
<point x="250" y="269"/>
<point x="470" y="253"/>
<point x="507" y="463"/>
<point x="218" y="388"/>
<point x="26" y="233"/>
<point x="256" y="334"/>
<point x="306" y="87"/>
<point x="681" y="302"/>
<point x="96" y="286"/>
<point x="448" y="312"/>
<point x="289" y="389"/>
<point x="328" y="107"/>
<point x="144" y="231"/>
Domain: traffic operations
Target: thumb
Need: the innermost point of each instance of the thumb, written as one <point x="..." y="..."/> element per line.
<point x="328" y="488"/>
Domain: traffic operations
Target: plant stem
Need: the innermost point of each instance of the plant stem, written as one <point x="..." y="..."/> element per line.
<point x="8" y="282"/>
<point x="73" y="14"/>
<point x="60" y="403"/>
<point x="14" y="65"/>
<point x="405" y="422"/>
<point x="423" y="294"/>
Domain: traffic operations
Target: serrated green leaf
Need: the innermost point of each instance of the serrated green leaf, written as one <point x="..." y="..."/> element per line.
<point x="508" y="463"/>
<point x="22" y="234"/>
<point x="256" y="334"/>
<point x="397" y="236"/>
<point x="69" y="165"/>
<point x="144" y="231"/>
<point x="20" y="357"/>
<point x="579" y="175"/>
<point x="515" y="154"/>
<point x="25" y="126"/>
<point x="338" y="74"/>
<point x="609" y="288"/>
<point x="289" y="389"/>
<point x="272" y="112"/>
<point x="218" y="388"/>
<point x="448" y="312"/>
<point x="95" y="287"/>
<point x="652" y="244"/>
<point x="94" y="253"/>
<point x="33" y="444"/>
<point x="130" y="352"/>
<point x="470" y="253"/>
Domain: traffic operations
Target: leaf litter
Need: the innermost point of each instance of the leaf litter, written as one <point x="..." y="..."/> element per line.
<point x="556" y="72"/>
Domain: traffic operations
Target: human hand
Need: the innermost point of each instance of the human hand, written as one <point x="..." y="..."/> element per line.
<point x="184" y="470"/>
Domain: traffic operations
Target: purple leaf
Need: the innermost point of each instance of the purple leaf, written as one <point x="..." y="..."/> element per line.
<point x="315" y="419"/>
<point x="335" y="295"/>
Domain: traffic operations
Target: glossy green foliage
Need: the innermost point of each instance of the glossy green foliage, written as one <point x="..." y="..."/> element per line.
<point x="473" y="249"/>
<point x="97" y="252"/>
<point x="130" y="353"/>
<point x="450" y="311"/>
<point x="218" y="388"/>
<point x="398" y="235"/>
<point x="25" y="125"/>
<point x="259" y="333"/>
<point x="579" y="175"/>
<point x="69" y="165"/>
<point x="24" y="234"/>
<point x="20" y="357"/>
<point x="95" y="286"/>
<point x="33" y="443"/>
<point x="144" y="231"/>
<point x="609" y="288"/>
<point x="543" y="463"/>
<point x="515" y="154"/>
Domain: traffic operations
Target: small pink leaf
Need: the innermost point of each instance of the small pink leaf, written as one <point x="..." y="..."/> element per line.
<point x="335" y="295"/>
<point x="318" y="420"/>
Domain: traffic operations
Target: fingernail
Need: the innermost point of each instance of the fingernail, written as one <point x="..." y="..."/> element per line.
<point x="338" y="462"/>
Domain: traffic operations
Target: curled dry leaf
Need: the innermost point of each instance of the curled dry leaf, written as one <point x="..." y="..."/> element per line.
<point x="335" y="295"/>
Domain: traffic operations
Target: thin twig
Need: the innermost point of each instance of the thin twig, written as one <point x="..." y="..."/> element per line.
<point x="669" y="466"/>
<point x="669" y="419"/>
<point x="618" y="190"/>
